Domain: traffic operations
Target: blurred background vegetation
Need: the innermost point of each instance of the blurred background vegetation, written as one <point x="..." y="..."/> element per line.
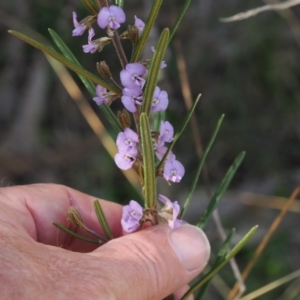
<point x="249" y="70"/>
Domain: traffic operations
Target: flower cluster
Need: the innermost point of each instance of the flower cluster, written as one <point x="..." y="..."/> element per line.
<point x="133" y="214"/>
<point x="127" y="146"/>
<point x="133" y="79"/>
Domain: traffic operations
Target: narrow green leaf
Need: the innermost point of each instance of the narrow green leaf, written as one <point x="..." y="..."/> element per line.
<point x="148" y="162"/>
<point x="221" y="190"/>
<point x="69" y="64"/>
<point x="220" y="257"/>
<point x="241" y="243"/>
<point x="223" y="250"/>
<point x="159" y="116"/>
<point x="144" y="37"/>
<point x="231" y="254"/>
<point x="66" y="230"/>
<point x="200" y="166"/>
<point x="120" y="3"/>
<point x="90" y="86"/>
<point x="90" y="6"/>
<point x="65" y="50"/>
<point x="178" y="134"/>
<point x="185" y="7"/>
<point x="102" y="219"/>
<point x="154" y="71"/>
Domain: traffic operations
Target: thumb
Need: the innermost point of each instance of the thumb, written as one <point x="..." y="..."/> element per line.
<point x="152" y="263"/>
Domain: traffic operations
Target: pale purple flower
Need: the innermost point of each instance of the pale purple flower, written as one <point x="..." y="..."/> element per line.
<point x="79" y="27"/>
<point x="160" y="100"/>
<point x="131" y="216"/>
<point x="101" y="93"/>
<point x="127" y="140"/>
<point x="131" y="76"/>
<point x="173" y="207"/>
<point x="139" y="24"/>
<point x="91" y="46"/>
<point x="111" y="16"/>
<point x="173" y="170"/>
<point x="131" y="97"/>
<point x="125" y="159"/>
<point x="166" y="132"/>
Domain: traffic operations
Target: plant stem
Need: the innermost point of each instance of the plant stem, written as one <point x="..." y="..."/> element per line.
<point x="118" y="46"/>
<point x="102" y="3"/>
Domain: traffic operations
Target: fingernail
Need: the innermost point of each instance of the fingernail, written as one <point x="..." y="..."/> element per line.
<point x="191" y="246"/>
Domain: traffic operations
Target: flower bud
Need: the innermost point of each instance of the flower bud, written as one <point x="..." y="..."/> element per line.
<point x="124" y="118"/>
<point x="104" y="70"/>
<point x="133" y="34"/>
<point x="74" y="217"/>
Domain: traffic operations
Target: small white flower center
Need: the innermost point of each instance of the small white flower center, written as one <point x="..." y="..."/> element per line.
<point x="155" y="101"/>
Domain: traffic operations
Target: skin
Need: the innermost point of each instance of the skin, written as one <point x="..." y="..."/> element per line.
<point x="37" y="259"/>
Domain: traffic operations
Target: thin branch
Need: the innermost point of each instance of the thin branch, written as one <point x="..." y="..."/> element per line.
<point x="271" y="286"/>
<point x="261" y="247"/>
<point x="253" y="12"/>
<point x="291" y="18"/>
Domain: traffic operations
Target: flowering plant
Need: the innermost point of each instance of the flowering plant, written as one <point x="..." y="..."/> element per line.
<point x="143" y="145"/>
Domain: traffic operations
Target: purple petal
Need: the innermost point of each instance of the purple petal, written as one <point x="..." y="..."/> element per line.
<point x="139" y="24"/>
<point x="98" y="100"/>
<point x="137" y="208"/>
<point x="128" y="103"/>
<point x="91" y="34"/>
<point x="101" y="92"/>
<point x="131" y="216"/>
<point x="127" y="140"/>
<point x="118" y="13"/>
<point x="131" y="76"/>
<point x="160" y="100"/>
<point x="92" y="48"/>
<point x="166" y="132"/>
<point x="75" y="22"/>
<point x="173" y="171"/>
<point x="135" y="91"/>
<point x="103" y="17"/>
<point x="129" y="227"/>
<point x="125" y="160"/>
<point x="112" y="16"/>
<point x="163" y="65"/>
<point x="136" y="68"/>
<point x="126" y="79"/>
<point x="165" y="200"/>
<point x="79" y="28"/>
<point x="132" y="96"/>
<point x="131" y="135"/>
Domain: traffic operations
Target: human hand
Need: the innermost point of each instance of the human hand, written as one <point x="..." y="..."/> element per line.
<point x="37" y="261"/>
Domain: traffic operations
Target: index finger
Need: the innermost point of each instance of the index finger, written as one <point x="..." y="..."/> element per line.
<point x="33" y="209"/>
